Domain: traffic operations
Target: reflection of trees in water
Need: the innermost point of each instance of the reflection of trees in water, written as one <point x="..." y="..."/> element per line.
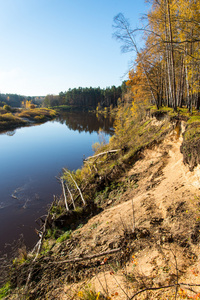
<point x="88" y="122"/>
<point x="11" y="132"/>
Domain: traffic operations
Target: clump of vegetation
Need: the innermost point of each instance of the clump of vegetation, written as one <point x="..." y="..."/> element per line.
<point x="89" y="293"/>
<point x="57" y="209"/>
<point x="10" y="121"/>
<point x="51" y="233"/>
<point x="37" y="114"/>
<point x="65" y="236"/>
<point x="12" y="118"/>
<point x="5" y="290"/>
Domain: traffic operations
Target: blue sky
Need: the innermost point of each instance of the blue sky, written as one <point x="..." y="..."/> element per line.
<point x="49" y="46"/>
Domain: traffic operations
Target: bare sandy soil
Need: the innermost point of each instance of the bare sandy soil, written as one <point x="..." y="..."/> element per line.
<point x="156" y="223"/>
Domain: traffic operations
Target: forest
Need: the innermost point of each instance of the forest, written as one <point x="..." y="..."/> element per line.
<point x="87" y="97"/>
<point x="15" y="100"/>
<point x="167" y="68"/>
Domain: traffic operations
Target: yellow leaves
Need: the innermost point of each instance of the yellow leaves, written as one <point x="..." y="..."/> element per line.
<point x="122" y="121"/>
<point x="80" y="294"/>
<point x="184" y="295"/>
<point x="140" y="91"/>
<point x="27" y="104"/>
<point x="89" y="293"/>
<point x="98" y="294"/>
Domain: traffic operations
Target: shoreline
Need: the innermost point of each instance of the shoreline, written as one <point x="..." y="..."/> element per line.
<point x="16" y="118"/>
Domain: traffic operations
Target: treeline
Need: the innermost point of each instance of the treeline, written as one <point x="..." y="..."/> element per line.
<point x="77" y="97"/>
<point x="15" y="100"/>
<point x="167" y="70"/>
<point x="87" y="97"/>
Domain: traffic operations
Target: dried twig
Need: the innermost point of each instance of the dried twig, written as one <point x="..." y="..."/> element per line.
<point x="162" y="287"/>
<point x="102" y="153"/>
<point x="77" y="259"/>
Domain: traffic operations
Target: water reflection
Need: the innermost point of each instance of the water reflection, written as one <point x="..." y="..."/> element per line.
<point x="88" y="122"/>
<point x="29" y="161"/>
<point x="11" y="132"/>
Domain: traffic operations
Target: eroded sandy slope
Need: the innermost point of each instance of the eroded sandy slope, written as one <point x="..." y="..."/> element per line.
<point x="162" y="220"/>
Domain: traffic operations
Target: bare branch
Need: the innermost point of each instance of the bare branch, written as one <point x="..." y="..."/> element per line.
<point x="77" y="259"/>
<point x="76" y="185"/>
<point x="102" y="153"/>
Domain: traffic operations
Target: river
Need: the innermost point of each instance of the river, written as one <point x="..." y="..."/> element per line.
<point x="30" y="160"/>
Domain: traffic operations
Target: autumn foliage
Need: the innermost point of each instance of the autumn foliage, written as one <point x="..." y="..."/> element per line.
<point x="168" y="67"/>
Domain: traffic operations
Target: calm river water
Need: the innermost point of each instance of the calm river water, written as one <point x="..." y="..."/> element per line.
<point x="30" y="159"/>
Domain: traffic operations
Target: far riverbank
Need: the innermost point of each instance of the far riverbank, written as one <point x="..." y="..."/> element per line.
<point x="12" y="118"/>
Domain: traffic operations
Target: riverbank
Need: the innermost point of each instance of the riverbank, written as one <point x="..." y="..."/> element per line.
<point x="138" y="233"/>
<point x="13" y="118"/>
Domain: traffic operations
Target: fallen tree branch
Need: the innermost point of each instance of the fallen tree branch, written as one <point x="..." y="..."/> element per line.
<point x="153" y="289"/>
<point x="176" y="285"/>
<point x="77" y="259"/>
<point x="102" y="153"/>
<point x="64" y="194"/>
<point x="83" y="189"/>
<point x="76" y="185"/>
<point x="73" y="202"/>
<point x="63" y="187"/>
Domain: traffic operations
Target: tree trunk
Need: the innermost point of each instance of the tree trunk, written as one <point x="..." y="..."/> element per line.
<point x="172" y="64"/>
